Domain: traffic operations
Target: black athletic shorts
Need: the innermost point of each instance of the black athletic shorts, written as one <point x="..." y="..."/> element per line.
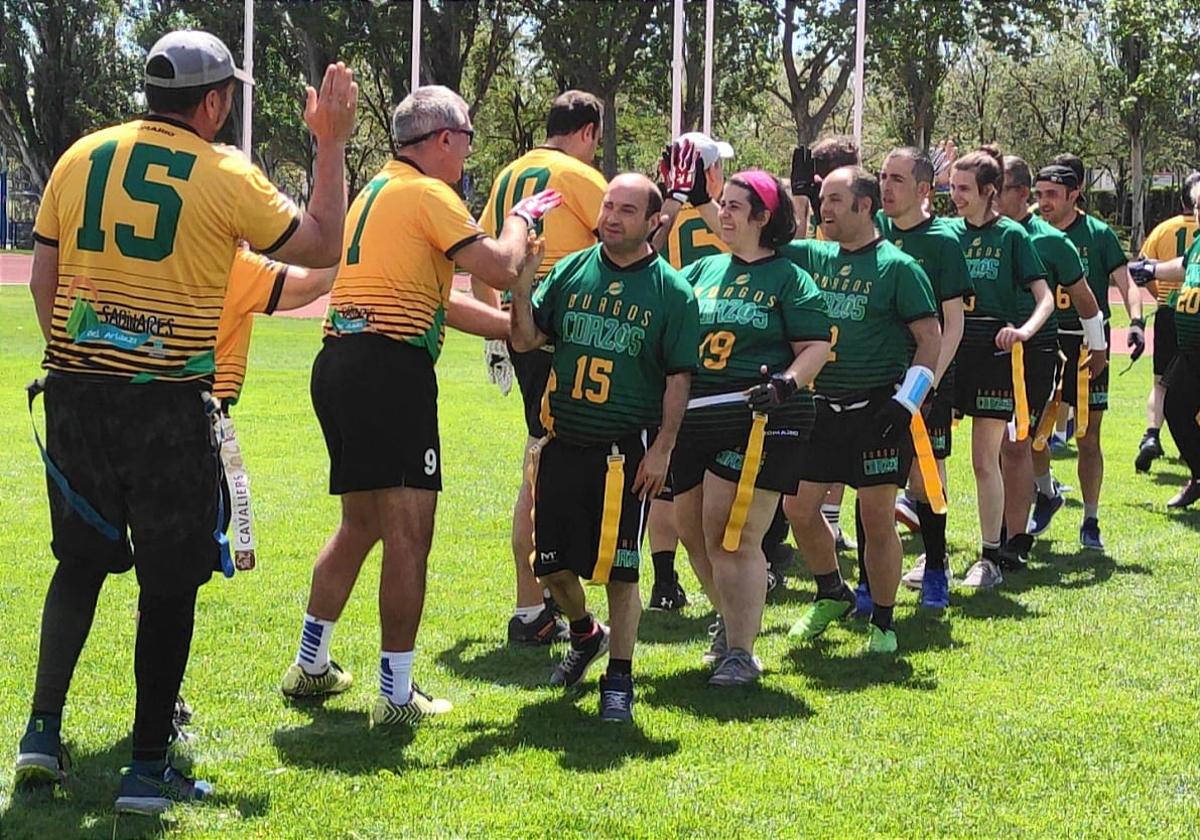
<point x="845" y="446"/>
<point x="779" y="471"/>
<point x="376" y="401"/>
<point x="1098" y="387"/>
<point x="568" y="509"/>
<point x="145" y="458"/>
<point x="983" y="384"/>
<point x="1166" y="344"/>
<point x="939" y="416"/>
<point x="1042" y="366"/>
<point x="533" y="372"/>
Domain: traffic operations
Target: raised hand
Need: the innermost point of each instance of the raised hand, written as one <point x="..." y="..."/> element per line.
<point x="804" y="174"/>
<point x="330" y="115"/>
<point x="532" y="209"/>
<point x="681" y="174"/>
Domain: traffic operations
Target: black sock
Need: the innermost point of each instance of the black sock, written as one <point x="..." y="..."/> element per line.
<point x="164" y="640"/>
<point x="66" y="621"/>
<point x="830" y="585"/>
<point x="583" y="626"/>
<point x="881" y="617"/>
<point x="991" y="552"/>
<point x="861" y="534"/>
<point x="776" y="532"/>
<point x="664" y="567"/>
<point x="1152" y="433"/>
<point x="933" y="531"/>
<point x="620" y="667"/>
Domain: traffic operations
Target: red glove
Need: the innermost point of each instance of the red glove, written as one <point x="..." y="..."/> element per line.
<point x="532" y="209"/>
<point x="680" y="176"/>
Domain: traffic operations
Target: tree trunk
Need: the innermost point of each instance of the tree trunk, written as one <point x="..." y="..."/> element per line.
<point x="1137" y="226"/>
<point x="610" y="135"/>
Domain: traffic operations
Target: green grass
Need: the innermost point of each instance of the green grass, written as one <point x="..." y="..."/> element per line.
<point x="1063" y="704"/>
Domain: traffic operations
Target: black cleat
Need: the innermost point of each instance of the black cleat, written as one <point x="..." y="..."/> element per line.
<point x="668" y="596"/>
<point x="577" y="659"/>
<point x="1187" y="496"/>
<point x="1149" y="450"/>
<point x="546" y="629"/>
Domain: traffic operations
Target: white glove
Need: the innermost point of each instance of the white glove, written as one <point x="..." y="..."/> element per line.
<point x="500" y="368"/>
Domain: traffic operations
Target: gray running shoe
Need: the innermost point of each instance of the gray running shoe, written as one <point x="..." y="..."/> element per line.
<point x="719" y="646"/>
<point x="983" y="575"/>
<point x="739" y="667"/>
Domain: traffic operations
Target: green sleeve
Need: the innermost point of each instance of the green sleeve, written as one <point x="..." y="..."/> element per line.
<point x="800" y="251"/>
<point x="914" y="292"/>
<point x="545" y="301"/>
<point x="956" y="277"/>
<point x="681" y="333"/>
<point x="694" y="271"/>
<point x="802" y="306"/>
<point x="1028" y="265"/>
<point x="1066" y="262"/>
<point x="1112" y="255"/>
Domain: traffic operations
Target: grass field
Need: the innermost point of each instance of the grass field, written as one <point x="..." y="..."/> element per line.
<point x="1062" y="705"/>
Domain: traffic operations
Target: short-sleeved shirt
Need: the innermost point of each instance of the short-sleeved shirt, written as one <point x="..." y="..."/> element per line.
<point x="1063" y="268"/>
<point x="1187" y="302"/>
<point x="871" y="295"/>
<point x="1003" y="264"/>
<point x="691" y="239"/>
<point x="618" y="333"/>
<point x="572" y="225"/>
<point x="147" y="217"/>
<point x="255" y="284"/>
<point x="934" y="245"/>
<point x="1169" y="240"/>
<point x="395" y="277"/>
<point x="1102" y="254"/>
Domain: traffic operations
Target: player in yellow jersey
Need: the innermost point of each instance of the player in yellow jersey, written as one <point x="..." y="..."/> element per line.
<point x="1169" y="239"/>
<point x="574" y="127"/>
<point x="136" y="234"/>
<point x="375" y="391"/>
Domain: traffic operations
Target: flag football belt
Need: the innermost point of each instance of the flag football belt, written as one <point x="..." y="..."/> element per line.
<point x="238" y="483"/>
<point x="1082" y="383"/>
<point x="535" y="457"/>
<point x="927" y="464"/>
<point x="1049" y="418"/>
<point x="838" y="406"/>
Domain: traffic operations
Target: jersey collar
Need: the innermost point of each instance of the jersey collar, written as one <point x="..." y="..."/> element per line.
<point x="637" y="266"/>
<point x="989" y="223"/>
<point x="873" y="244"/>
<point x="162" y="118"/>
<point x="410" y="162"/>
<point x="760" y="261"/>
<point x="917" y="228"/>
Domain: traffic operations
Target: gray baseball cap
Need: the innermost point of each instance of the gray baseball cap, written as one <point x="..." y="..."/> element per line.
<point x="197" y="58"/>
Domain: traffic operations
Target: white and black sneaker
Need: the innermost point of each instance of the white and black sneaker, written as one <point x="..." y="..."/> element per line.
<point x="579" y="658"/>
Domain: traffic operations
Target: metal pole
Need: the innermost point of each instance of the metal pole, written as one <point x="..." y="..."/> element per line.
<point x="248" y="66"/>
<point x="860" y="43"/>
<point x="708" y="65"/>
<point x="677" y="73"/>
<point x="416" y="46"/>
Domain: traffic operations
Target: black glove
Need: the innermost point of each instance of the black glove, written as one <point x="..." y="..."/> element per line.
<point x="1142" y="271"/>
<point x="1136" y="338"/>
<point x="893" y="419"/>
<point x="771" y="393"/>
<point x="698" y="195"/>
<point x="804" y="174"/>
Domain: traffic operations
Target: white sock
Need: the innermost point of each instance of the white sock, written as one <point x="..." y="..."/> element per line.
<point x="832" y="514"/>
<point x="528" y="614"/>
<point x="395" y="675"/>
<point x="1045" y="484"/>
<point x="313" y="654"/>
<point x="1091" y="511"/>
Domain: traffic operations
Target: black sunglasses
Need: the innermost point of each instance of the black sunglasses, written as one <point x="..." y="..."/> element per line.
<point x="470" y="132"/>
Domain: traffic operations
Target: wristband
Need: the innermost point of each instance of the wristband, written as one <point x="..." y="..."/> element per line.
<point x="1093" y="332"/>
<point x="918" y="382"/>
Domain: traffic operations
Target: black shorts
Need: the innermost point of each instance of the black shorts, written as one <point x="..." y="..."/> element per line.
<point x="1166" y="344"/>
<point x="845" y="447"/>
<point x="376" y="401"/>
<point x="568" y="509"/>
<point x="779" y="471"/>
<point x="983" y="384"/>
<point x="1098" y="387"/>
<point x="145" y="458"/>
<point x="939" y="416"/>
<point x="533" y="372"/>
<point x="1042" y="366"/>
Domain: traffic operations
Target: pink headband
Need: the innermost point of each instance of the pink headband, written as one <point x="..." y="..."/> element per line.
<point x="763" y="184"/>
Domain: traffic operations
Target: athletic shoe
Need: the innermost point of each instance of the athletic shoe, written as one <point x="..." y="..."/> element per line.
<point x="774" y="581"/>
<point x="299" y="683"/>
<point x="419" y="706"/>
<point x="881" y="641"/>
<point x="550" y="604"/>
<point x="577" y="659"/>
<point x="739" y="667"/>
<point x="183" y="711"/>
<point x="1089" y="534"/>
<point x="720" y="644"/>
<point x="935" y="592"/>
<point x="906" y="514"/>
<point x="863" y="605"/>
<point x="1044" y="508"/>
<point x="546" y="629"/>
<point x="844" y="543"/>
<point x="152" y="795"/>
<point x="667" y="597"/>
<point x="916" y="575"/>
<point x="822" y="612"/>
<point x="1187" y="496"/>
<point x="1149" y="450"/>
<point x="616" y="698"/>
<point x="1014" y="556"/>
<point x="41" y="760"/>
<point x="983" y="575"/>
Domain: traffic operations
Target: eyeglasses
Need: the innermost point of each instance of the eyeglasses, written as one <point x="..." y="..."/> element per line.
<point x="470" y="132"/>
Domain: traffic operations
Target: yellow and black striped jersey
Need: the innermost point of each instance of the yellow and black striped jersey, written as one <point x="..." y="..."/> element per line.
<point x="255" y="284"/>
<point x="402" y="232"/>
<point x="147" y="217"/>
<point x="691" y="239"/>
<point x="572" y="226"/>
<point x="1168" y="240"/>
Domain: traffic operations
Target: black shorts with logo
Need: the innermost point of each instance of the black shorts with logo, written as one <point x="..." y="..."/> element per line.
<point x="533" y="372"/>
<point x="1098" y="387"/>
<point x="1042" y="367"/>
<point x="568" y="508"/>
<point x="1166" y="344"/>
<point x="779" y="471"/>
<point x="939" y="416"/>
<point x="983" y="384"/>
<point x="845" y="446"/>
<point x="145" y="458"/>
<point x="376" y="401"/>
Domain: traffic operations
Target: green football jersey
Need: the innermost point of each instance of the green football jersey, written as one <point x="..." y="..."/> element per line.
<point x="1102" y="254"/>
<point x="871" y="294"/>
<point x="749" y="315"/>
<point x="618" y="332"/>
<point x="934" y="245"/>
<point x="1187" y="302"/>
<point x="1002" y="263"/>
<point x="1063" y="268"/>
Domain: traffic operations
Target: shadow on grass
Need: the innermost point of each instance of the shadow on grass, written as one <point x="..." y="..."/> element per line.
<point x="559" y="725"/>
<point x="690" y="693"/>
<point x="340" y="739"/>
<point x="1075" y="570"/>
<point x="83" y="805"/>
<point x="671" y="628"/>
<point x="480" y="658"/>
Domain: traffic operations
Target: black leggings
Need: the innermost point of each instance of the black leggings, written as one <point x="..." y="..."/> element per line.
<point x="1182" y="405"/>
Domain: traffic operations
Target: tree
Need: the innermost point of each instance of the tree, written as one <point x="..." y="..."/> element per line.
<point x="817" y="51"/>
